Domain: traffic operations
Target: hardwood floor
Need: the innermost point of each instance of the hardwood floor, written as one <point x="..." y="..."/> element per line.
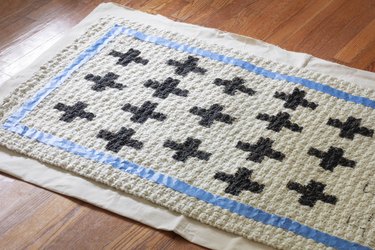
<point x="34" y="218"/>
<point x="342" y="31"/>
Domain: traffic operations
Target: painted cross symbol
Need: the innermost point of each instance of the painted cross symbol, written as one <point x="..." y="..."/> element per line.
<point x="132" y="55"/>
<point x="277" y="122"/>
<point x="72" y="112"/>
<point x="146" y="111"/>
<point x="189" y="65"/>
<point x="232" y="86"/>
<point x="260" y="150"/>
<point x="212" y="114"/>
<point x="239" y="182"/>
<point x="311" y="193"/>
<point x="169" y="86"/>
<point x="295" y="99"/>
<point x="332" y="158"/>
<point x="102" y="82"/>
<point x="350" y="127"/>
<point x="120" y="139"/>
<point x="187" y="149"/>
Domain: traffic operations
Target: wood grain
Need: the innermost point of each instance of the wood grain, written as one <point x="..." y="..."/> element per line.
<point x="342" y="31"/>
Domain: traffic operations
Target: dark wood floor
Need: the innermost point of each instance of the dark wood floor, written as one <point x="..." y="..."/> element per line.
<point x="342" y="31"/>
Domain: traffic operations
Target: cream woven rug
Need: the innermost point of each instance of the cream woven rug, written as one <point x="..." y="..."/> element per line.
<point x="273" y="153"/>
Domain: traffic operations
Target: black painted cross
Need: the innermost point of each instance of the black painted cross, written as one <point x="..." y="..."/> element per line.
<point x="146" y="111"/>
<point x="232" y="86"/>
<point x="72" y="112"/>
<point x="350" y="127"/>
<point x="119" y="139"/>
<point x="189" y="65"/>
<point x="169" y="86"/>
<point x="102" y="82"/>
<point x="260" y="150"/>
<point x="311" y="193"/>
<point x="295" y="99"/>
<point x="332" y="158"/>
<point x="212" y="114"/>
<point x="277" y="122"/>
<point x="239" y="182"/>
<point x="187" y="149"/>
<point x="132" y="55"/>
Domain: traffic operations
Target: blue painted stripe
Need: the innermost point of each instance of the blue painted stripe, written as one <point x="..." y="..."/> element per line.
<point x="185" y="188"/>
<point x="82" y="58"/>
<point x="253" y="68"/>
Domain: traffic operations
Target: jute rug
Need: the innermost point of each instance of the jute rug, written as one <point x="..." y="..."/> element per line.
<point x="275" y="154"/>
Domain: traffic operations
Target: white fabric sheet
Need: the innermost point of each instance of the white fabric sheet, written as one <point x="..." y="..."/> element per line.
<point x="140" y="210"/>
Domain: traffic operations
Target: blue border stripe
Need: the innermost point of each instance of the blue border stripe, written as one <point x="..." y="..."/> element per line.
<point x="252" y="68"/>
<point x="185" y="188"/>
<point x="12" y="124"/>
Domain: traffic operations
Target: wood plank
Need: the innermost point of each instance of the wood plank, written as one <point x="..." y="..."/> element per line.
<point x="32" y="217"/>
<point x="362" y="41"/>
<point x="331" y="29"/>
<point x="297" y="21"/>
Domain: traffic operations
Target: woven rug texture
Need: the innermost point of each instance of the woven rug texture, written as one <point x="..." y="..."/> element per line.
<point x="276" y="154"/>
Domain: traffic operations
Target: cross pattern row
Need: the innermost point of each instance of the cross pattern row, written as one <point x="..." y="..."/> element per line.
<point x="169" y="86"/>
<point x="241" y="181"/>
<point x="348" y="129"/>
<point x="146" y="111"/>
<point x="208" y="116"/>
<point x="231" y="87"/>
<point x="182" y="68"/>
